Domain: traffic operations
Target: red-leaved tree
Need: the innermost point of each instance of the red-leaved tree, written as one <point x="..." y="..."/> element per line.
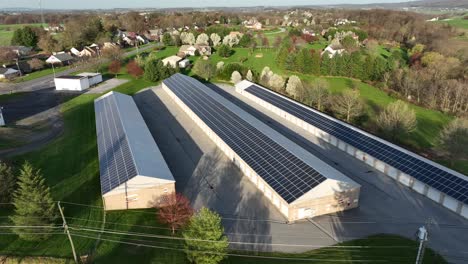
<point x="134" y="69"/>
<point x="114" y="67"/>
<point x="175" y="211"/>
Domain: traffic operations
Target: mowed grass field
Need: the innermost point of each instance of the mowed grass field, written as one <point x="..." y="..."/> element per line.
<point x="457" y="22"/>
<point x="71" y="168"/>
<point x="430" y="122"/>
<point x="6" y="32"/>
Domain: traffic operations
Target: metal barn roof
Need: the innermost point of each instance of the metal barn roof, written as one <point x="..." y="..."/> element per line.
<point x="289" y="169"/>
<point x="435" y="175"/>
<point x="126" y="147"/>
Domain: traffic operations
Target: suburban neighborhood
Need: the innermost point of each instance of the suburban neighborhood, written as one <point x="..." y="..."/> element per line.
<point x="219" y="132"/>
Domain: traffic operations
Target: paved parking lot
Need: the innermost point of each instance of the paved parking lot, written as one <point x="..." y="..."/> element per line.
<point x="208" y="179"/>
<point x="106" y="86"/>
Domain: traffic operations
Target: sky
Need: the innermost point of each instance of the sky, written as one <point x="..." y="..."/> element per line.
<point x="108" y="4"/>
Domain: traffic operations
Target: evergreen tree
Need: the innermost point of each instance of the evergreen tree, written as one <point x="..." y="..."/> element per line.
<point x="205" y="234"/>
<point x="25" y="37"/>
<point x="167" y="39"/>
<point x="283" y="52"/>
<point x="33" y="203"/>
<point x="224" y="50"/>
<point x="152" y="72"/>
<point x="245" y="41"/>
<point x="8" y="182"/>
<point x="315" y="63"/>
<point x="325" y="66"/>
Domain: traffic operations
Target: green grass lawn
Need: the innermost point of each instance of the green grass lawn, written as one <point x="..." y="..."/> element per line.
<point x="317" y="45"/>
<point x="6" y="32"/>
<point x="457" y="22"/>
<point x="256" y="61"/>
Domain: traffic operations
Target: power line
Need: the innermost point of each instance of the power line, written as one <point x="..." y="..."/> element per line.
<point x="118" y="232"/>
<point x="233" y="254"/>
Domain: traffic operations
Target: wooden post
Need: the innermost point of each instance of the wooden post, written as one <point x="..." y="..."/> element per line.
<point x="65" y="226"/>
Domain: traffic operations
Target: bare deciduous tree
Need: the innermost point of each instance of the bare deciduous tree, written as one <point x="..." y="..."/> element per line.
<point x="396" y="119"/>
<point x="348" y="105"/>
<point x="236" y="77"/>
<point x="318" y="93"/>
<point x="294" y="86"/>
<point x="453" y="140"/>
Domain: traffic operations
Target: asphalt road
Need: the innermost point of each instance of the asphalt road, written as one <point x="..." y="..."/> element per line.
<point x="386" y="206"/>
<point x="48" y="81"/>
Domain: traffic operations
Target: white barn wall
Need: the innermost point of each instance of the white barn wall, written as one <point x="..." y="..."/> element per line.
<point x="390" y="171"/>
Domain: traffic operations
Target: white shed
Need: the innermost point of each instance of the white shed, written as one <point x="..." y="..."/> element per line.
<point x="184" y="63"/>
<point x="78" y="82"/>
<point x="171" y="61"/>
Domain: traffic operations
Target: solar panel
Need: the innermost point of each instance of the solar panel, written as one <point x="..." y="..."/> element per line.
<point x="116" y="164"/>
<point x="288" y="175"/>
<point x="420" y="169"/>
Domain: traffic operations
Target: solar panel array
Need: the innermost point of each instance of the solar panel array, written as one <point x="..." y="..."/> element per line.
<point x="423" y="171"/>
<point x="116" y="163"/>
<point x="288" y="175"/>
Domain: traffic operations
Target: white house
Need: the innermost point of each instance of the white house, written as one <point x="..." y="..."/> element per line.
<point x="171" y="61"/>
<point x="8" y="73"/>
<point x="184" y="63"/>
<point x="188" y="50"/>
<point x="331" y="51"/>
<point x="78" y="82"/>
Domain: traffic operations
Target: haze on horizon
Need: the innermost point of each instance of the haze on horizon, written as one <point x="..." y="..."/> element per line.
<point x="107" y="4"/>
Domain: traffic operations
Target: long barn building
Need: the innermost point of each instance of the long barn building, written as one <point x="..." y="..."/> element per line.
<point x="297" y="183"/>
<point x="442" y="185"/>
<point x="133" y="171"/>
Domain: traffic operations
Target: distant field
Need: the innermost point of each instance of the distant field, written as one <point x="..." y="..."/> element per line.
<point x="457" y="22"/>
<point x="6" y="32"/>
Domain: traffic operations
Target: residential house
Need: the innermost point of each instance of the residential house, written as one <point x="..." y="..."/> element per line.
<point x="203" y="50"/>
<point x="21" y="50"/>
<point x="89" y="52"/>
<point x="172" y="61"/>
<point x="253" y="24"/>
<point x="75" y="52"/>
<point x="343" y="21"/>
<point x="109" y="45"/>
<point x="153" y="34"/>
<point x="60" y="58"/>
<point x="236" y="34"/>
<point x="8" y="73"/>
<point x="332" y="51"/>
<point x="188" y="50"/>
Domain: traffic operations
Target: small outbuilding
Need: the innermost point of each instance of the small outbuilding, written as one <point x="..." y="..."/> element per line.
<point x="184" y="63"/>
<point x="78" y="82"/>
<point x="8" y="73"/>
<point x="171" y="61"/>
<point x="133" y="171"/>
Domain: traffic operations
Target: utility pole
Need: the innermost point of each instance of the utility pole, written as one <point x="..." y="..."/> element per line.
<point x="42" y="13"/>
<point x="422" y="236"/>
<point x="2" y="120"/>
<point x="65" y="226"/>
